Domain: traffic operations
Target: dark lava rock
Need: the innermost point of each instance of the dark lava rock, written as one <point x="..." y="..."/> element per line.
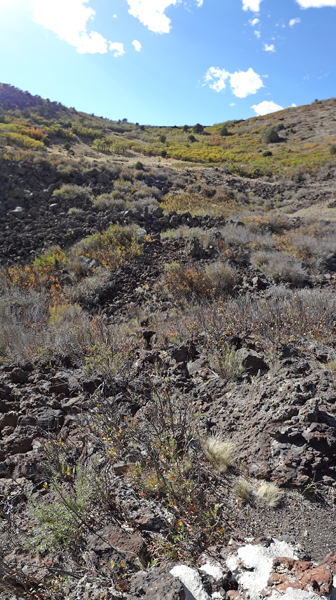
<point x="156" y="584"/>
<point x="251" y="361"/>
<point x="18" y="376"/>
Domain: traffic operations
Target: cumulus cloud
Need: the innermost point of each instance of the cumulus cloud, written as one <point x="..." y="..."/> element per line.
<point x="253" y="5"/>
<point x="243" y="83"/>
<point x="257" y="34"/>
<point x="316" y="3"/>
<point x="269" y="48"/>
<point x="293" y="22"/>
<point x="137" y="45"/>
<point x="117" y="48"/>
<point x="254" y="22"/>
<point x="69" y="19"/>
<point x="217" y="78"/>
<point x="151" y="13"/>
<point x="266" y="107"/>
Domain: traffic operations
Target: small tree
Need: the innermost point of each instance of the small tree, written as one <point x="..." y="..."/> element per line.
<point x="162" y="139"/>
<point x="192" y="138"/>
<point x="198" y="128"/>
<point x="223" y="131"/>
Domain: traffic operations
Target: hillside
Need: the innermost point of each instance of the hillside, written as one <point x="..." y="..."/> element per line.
<point x="167" y="355"/>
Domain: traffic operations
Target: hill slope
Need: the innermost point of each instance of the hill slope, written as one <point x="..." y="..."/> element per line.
<point x="167" y="351"/>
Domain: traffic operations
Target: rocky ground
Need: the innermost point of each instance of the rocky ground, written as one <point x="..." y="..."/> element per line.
<point x="118" y="531"/>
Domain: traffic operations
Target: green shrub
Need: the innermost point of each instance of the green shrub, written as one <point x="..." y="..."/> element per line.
<point x="60" y="521"/>
<point x="71" y="192"/>
<point x="332" y="149"/>
<point x="163" y="153"/>
<point x="162" y="139"/>
<point x="139" y="166"/>
<point x="267" y="153"/>
<point x="271" y="136"/>
<point x="224" y="131"/>
<point x="192" y="138"/>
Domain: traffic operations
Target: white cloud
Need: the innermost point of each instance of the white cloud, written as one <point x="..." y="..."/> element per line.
<point x="217" y="77"/>
<point x="151" y="13"/>
<point x="293" y="105"/>
<point x="254" y="22"/>
<point x="244" y="83"/>
<point x="117" y="48"/>
<point x="316" y="3"/>
<point x="253" y="5"/>
<point x="68" y="19"/>
<point x="266" y="107"/>
<point x="269" y="48"/>
<point x="232" y="104"/>
<point x="137" y="45"/>
<point x="115" y="17"/>
<point x="257" y="34"/>
<point x="293" y="22"/>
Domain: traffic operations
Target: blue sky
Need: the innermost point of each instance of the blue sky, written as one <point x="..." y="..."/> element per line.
<point x="171" y="62"/>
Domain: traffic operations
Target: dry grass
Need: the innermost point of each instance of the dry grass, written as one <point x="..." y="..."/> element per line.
<point x="270" y="493"/>
<point x="220" y="454"/>
<point x="243" y="489"/>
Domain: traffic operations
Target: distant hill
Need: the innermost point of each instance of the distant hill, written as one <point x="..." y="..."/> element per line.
<point x="294" y="140"/>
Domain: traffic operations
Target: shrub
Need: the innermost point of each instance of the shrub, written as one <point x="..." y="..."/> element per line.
<point x="192" y="138"/>
<point x="50" y="261"/>
<point x="71" y="192"/>
<point x="195" y="284"/>
<point x="139" y="166"/>
<point x="163" y="153"/>
<point x="267" y="153"/>
<point x="198" y="128"/>
<point x="280" y="266"/>
<point x="332" y="149"/>
<point x="162" y="139"/>
<point x="108" y="202"/>
<point x="111" y="247"/>
<point x="60" y="521"/>
<point x="224" y="131"/>
<point x="271" y="136"/>
<point x="219" y="453"/>
<point x="221" y="276"/>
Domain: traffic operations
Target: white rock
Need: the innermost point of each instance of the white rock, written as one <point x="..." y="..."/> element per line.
<point x="214" y="570"/>
<point x="191" y="582"/>
<point x="294" y="594"/>
<point x="259" y="561"/>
